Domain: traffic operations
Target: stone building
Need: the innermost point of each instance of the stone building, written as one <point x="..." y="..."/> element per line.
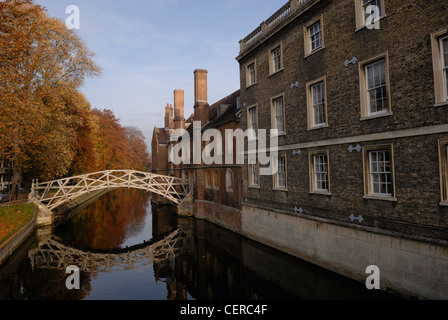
<point x="359" y="96"/>
<point x="216" y="187"/>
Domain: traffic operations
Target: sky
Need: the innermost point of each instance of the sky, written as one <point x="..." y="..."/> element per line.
<point x="149" y="48"/>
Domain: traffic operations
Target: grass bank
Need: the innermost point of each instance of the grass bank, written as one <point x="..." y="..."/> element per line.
<point x="12" y="218"/>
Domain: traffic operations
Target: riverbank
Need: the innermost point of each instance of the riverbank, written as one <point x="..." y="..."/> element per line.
<point x="17" y="221"/>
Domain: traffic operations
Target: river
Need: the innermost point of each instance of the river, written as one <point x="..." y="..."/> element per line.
<point x="128" y="249"/>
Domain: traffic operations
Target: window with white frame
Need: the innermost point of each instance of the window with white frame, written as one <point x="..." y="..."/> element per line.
<point x="252" y="122"/>
<point x="280" y="176"/>
<point x="278" y="114"/>
<point x="379" y="172"/>
<point x="320" y="173"/>
<point x="253" y="174"/>
<point x="276" y="56"/>
<point x="444" y="62"/>
<point x="315" y="36"/>
<point x="318" y="104"/>
<point x="362" y="14"/>
<point x="376" y="87"/>
<point x="251" y="74"/>
<point x="439" y="49"/>
<point x="366" y="4"/>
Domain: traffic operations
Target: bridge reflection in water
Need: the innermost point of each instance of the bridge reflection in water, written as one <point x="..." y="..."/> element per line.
<point x="128" y="249"/>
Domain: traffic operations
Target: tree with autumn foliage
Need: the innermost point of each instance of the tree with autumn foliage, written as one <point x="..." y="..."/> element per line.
<point x="118" y="147"/>
<point x="42" y="65"/>
<point x="47" y="127"/>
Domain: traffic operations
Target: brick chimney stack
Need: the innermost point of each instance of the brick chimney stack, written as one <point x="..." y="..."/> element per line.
<point x="168" y="116"/>
<point x="179" y="120"/>
<point x="200" y="96"/>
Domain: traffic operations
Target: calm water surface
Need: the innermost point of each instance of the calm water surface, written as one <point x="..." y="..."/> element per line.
<point x="120" y="243"/>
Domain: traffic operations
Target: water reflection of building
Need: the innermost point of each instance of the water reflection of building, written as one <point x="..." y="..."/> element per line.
<point x="226" y="266"/>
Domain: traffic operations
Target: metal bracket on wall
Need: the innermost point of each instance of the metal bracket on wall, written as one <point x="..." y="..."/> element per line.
<point x="297" y="152"/>
<point x="358" y="148"/>
<point x="294" y="85"/>
<point x="347" y="62"/>
<point x="359" y="218"/>
<point x="298" y="210"/>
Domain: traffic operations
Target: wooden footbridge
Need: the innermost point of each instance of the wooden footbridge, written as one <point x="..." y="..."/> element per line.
<point x="56" y="193"/>
<point x="52" y="254"/>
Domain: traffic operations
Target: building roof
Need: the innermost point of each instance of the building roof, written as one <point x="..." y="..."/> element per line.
<point x="162" y="136"/>
<point x="230" y="114"/>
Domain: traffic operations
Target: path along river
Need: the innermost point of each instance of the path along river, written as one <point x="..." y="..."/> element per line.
<point x="119" y="242"/>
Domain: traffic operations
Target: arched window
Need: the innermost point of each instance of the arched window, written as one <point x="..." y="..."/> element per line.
<point x="229" y="180"/>
<point x="215" y="179"/>
<point x="208" y="179"/>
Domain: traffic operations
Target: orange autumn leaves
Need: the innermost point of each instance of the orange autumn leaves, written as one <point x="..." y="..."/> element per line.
<point x="47" y="127"/>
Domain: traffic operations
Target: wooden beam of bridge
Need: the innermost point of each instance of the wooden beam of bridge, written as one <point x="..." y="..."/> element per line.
<point x="55" y="193"/>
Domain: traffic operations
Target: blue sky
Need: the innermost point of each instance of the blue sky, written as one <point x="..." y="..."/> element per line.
<point x="148" y="48"/>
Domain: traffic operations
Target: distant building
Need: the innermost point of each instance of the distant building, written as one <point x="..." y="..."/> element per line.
<point x="5" y="176"/>
<point x="362" y="115"/>
<point x="217" y="187"/>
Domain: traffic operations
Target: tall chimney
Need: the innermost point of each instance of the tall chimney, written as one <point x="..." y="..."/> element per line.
<point x="179" y="120"/>
<point x="200" y="96"/>
<point x="200" y="86"/>
<point x="168" y="116"/>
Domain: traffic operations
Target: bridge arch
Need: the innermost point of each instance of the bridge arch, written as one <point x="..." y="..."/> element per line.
<point x="56" y="193"/>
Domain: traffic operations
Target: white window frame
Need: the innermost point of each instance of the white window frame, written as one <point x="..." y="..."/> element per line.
<point x="320" y="104"/>
<point x="439" y="67"/>
<point x="380" y="177"/>
<point x="366" y="3"/>
<point x="251" y="73"/>
<point x="252" y="122"/>
<point x="444" y="64"/>
<point x="276" y="117"/>
<point x="318" y="170"/>
<point x="317" y="34"/>
<point x="371" y="68"/>
<point x="366" y="103"/>
<point x="254" y="174"/>
<point x="312" y="105"/>
<point x="276" y="56"/>
<point x="374" y="178"/>
<point x="280" y="177"/>
<point x="360" y="14"/>
<point x="308" y="35"/>
<point x="320" y="163"/>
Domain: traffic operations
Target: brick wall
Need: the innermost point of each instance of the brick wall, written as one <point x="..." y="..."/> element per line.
<point x="405" y="36"/>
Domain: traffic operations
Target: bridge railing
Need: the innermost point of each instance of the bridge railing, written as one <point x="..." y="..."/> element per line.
<point x="54" y="193"/>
